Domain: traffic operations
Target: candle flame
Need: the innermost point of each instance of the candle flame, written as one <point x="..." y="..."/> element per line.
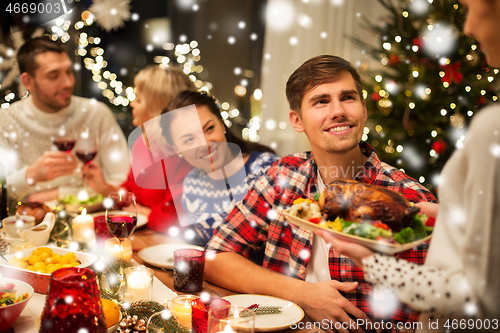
<point x="84" y="211"/>
<point x="187" y="304"/>
<point x="228" y="329"/>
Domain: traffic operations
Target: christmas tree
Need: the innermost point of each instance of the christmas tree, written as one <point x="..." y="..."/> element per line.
<point x="432" y="80"/>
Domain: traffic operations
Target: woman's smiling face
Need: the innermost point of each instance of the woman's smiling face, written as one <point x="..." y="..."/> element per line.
<point x="483" y="23"/>
<point x="200" y="138"/>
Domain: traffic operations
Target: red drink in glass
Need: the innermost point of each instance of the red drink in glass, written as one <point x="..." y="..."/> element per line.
<point x="121" y="226"/>
<point x="85" y="156"/>
<point x="101" y="229"/>
<point x="199" y="314"/>
<point x="189" y="266"/>
<point x="73" y="303"/>
<point x="65" y="144"/>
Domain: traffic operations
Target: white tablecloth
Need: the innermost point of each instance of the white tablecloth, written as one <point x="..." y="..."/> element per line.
<point x="26" y="323"/>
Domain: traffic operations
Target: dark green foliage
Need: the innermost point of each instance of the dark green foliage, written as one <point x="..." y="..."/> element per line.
<point x="405" y="118"/>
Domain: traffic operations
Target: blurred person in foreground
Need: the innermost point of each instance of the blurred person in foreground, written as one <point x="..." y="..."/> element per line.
<point x="155" y="89"/>
<point x="218" y="157"/>
<point x="37" y="168"/>
<point x="459" y="285"/>
<point x="326" y="102"/>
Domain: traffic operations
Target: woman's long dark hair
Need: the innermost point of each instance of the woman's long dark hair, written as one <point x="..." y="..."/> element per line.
<point x="186" y="98"/>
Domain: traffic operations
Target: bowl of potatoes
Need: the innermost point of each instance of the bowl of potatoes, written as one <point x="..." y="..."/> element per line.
<point x="35" y="265"/>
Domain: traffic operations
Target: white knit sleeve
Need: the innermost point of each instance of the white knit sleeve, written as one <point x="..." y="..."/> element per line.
<point x="425" y="289"/>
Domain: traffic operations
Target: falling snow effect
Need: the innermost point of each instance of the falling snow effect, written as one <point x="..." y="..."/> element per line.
<point x="411" y="155"/>
<point x="419" y="7"/>
<point x="458" y="217"/>
<point x="271" y="214"/>
<point x="441" y="40"/>
<point x="470" y="309"/>
<point x="111" y="14"/>
<point x="304" y="254"/>
<point x="270" y="124"/>
<point x="166" y="314"/>
<point x="108" y="203"/>
<point x="384" y="302"/>
<point x="205" y="296"/>
<point x="210" y="255"/>
<point x="189" y="234"/>
<point x="305" y="21"/>
<point x="174" y="231"/>
<point x="495" y="150"/>
<point x="185" y="4"/>
<point x="280" y="15"/>
<point x="182" y="267"/>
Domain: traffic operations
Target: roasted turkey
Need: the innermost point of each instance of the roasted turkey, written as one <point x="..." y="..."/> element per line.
<point x="360" y="202"/>
<point x="36" y="209"/>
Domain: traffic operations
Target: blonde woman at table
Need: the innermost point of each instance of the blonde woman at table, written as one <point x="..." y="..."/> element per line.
<point x="155" y="88"/>
<point x="205" y="196"/>
<point x="459" y="284"/>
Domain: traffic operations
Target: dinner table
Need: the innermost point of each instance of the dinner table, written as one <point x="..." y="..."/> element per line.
<point x="163" y="286"/>
<point x="146" y="237"/>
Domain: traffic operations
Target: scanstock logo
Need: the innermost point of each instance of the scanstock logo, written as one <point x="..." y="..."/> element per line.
<point x="27" y="14"/>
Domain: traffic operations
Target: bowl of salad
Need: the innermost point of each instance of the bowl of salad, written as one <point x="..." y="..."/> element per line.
<point x="75" y="199"/>
<point x="14" y="296"/>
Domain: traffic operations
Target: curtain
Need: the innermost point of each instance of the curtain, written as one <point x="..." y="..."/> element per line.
<point x="297" y="30"/>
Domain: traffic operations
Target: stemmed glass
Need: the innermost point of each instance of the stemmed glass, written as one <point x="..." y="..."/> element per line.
<point x="86" y="148"/>
<point x="121" y="224"/>
<point x="64" y="138"/>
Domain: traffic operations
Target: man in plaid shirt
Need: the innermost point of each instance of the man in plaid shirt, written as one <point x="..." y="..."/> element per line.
<point x="325" y="96"/>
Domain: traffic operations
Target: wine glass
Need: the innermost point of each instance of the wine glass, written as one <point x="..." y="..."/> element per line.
<point x="121" y="224"/>
<point x="64" y="138"/>
<point x="86" y="148"/>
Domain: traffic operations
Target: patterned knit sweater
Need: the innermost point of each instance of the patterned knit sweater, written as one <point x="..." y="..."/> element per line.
<point x="208" y="201"/>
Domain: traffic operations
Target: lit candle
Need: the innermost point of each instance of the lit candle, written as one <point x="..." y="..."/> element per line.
<point x="139" y="283"/>
<point x="83" y="228"/>
<point x="112" y="247"/>
<point x="180" y="307"/>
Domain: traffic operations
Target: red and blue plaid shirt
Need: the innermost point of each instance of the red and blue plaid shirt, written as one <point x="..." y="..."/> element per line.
<point x="259" y="219"/>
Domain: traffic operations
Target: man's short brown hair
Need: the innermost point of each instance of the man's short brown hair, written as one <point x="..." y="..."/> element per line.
<point x="33" y="47"/>
<point x="316" y="71"/>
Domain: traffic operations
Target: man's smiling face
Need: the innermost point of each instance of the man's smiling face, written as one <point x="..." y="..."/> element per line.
<point x="333" y="115"/>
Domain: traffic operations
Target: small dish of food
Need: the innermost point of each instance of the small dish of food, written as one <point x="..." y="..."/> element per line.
<point x="14" y="296"/>
<point x="35" y="265"/>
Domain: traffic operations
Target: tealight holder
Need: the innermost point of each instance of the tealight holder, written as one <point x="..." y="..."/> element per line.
<point x="180" y="307"/>
<point x="138" y="283"/>
<point x="73" y="300"/>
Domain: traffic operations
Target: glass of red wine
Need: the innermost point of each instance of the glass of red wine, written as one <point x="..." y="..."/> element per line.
<point x="121" y="218"/>
<point x="86" y="148"/>
<point x="64" y="139"/>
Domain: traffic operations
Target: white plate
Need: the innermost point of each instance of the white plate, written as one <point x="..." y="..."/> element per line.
<point x="8" y="239"/>
<point x="163" y="255"/>
<point x="142" y="219"/>
<point x="290" y="315"/>
<point x="374" y="245"/>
